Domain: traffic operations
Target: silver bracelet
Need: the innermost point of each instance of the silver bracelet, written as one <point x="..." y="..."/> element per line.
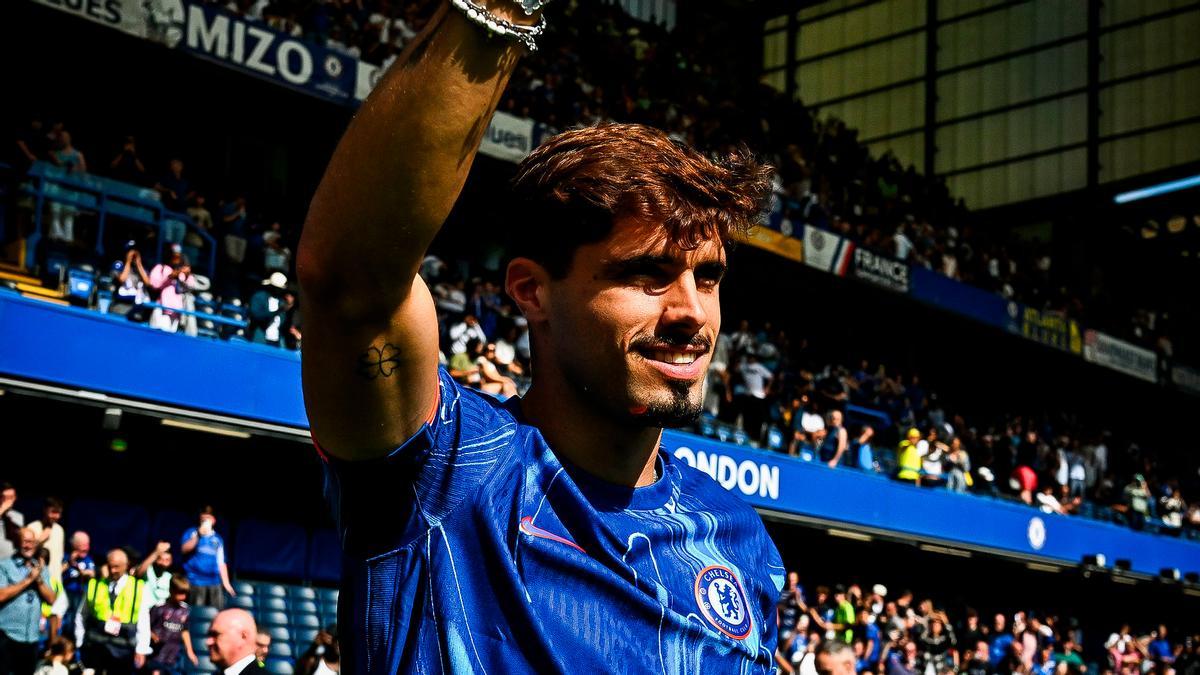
<point x="524" y="34"/>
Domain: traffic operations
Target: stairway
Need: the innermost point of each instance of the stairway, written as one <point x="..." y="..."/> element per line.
<point x="31" y="287"/>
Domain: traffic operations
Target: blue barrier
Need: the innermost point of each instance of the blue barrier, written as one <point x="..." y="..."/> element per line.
<point x="71" y="347"/>
<point x="106" y="197"/>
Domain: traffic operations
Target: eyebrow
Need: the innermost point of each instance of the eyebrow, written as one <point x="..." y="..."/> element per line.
<point x="615" y="269"/>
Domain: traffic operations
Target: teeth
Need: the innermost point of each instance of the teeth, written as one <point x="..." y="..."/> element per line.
<point x="681" y="358"/>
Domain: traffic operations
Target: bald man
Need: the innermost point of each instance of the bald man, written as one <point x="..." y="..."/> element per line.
<point x="231" y="642"/>
<point x="113" y="622"/>
<point x="24" y="585"/>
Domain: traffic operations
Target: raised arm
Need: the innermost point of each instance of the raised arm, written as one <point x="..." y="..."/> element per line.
<point x="371" y="340"/>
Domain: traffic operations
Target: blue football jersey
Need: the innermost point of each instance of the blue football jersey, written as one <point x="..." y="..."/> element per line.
<point x="473" y="549"/>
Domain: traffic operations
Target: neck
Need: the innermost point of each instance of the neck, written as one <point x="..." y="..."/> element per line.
<point x="580" y="432"/>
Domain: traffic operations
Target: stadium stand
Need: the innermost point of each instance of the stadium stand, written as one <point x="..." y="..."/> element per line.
<point x="826" y="179"/>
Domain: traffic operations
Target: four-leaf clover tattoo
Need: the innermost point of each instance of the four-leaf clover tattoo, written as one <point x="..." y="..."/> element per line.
<point x="379" y="361"/>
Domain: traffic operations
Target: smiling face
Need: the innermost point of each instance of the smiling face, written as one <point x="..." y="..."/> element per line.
<point x="632" y="324"/>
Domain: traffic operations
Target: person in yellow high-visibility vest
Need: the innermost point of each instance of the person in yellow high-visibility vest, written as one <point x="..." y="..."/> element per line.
<point x="113" y="624"/>
<point x="908" y="458"/>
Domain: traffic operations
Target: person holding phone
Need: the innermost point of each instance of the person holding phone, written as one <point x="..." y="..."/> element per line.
<point x="204" y="562"/>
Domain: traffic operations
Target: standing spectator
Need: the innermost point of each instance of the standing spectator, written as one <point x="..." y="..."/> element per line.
<point x="1137" y="501"/>
<point x="32" y="145"/>
<point x="323" y="657"/>
<point x="843" y="615"/>
<point x="127" y="167"/>
<point x="112" y="626"/>
<point x="78" y="568"/>
<point x="277" y="257"/>
<point x="175" y="191"/>
<point x="132" y="281"/>
<point x="204" y="562"/>
<point x="836" y="439"/>
<point x="62" y="216"/>
<point x="937" y="644"/>
<point x="908" y="458"/>
<point x="172" y="281"/>
<point x="169" y="636"/>
<point x="1159" y="649"/>
<point x="904" y="661"/>
<point x="24" y="586"/>
<point x="463" y="332"/>
<point x="867" y="630"/>
<point x="11" y="521"/>
<point x="268" y="311"/>
<point x="958" y="468"/>
<point x="200" y="214"/>
<point x="751" y="394"/>
<point x="50" y="534"/>
<point x="156" y="571"/>
<point x="230" y="642"/>
<point x="233" y="226"/>
<point x="789" y="607"/>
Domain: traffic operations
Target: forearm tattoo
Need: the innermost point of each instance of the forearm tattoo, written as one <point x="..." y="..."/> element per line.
<point x="379" y="361"/>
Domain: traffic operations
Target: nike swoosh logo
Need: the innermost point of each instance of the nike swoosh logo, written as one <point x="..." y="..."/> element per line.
<point x="532" y="530"/>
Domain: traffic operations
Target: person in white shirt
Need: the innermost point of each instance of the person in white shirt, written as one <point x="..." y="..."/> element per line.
<point x="156" y="571"/>
<point x="232" y="644"/>
<point x="50" y="535"/>
<point x="464" y="332"/>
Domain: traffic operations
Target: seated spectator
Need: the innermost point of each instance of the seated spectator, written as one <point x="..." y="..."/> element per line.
<point x="323" y="656"/>
<point x="463" y="367"/>
<point x="1049" y="503"/>
<point x="262" y="645"/>
<point x="169" y="635"/>
<point x="132" y="283"/>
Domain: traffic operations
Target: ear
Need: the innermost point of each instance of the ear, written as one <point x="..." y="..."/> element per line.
<point x="527" y="283"/>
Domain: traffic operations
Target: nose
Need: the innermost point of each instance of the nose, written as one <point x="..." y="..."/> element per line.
<point x="684" y="304"/>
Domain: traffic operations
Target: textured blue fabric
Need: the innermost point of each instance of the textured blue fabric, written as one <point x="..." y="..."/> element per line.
<point x="472" y="549"/>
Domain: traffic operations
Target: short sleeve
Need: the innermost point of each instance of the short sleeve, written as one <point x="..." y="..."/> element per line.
<point x="381" y="504"/>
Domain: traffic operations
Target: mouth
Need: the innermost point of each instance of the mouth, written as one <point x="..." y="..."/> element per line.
<point x="675" y="363"/>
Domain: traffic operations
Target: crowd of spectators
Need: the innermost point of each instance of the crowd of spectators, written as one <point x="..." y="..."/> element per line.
<point x="598" y="64"/>
<point x="63" y="609"/>
<point x="857" y="629"/>
<point x="876" y="419"/>
<point x="253" y="253"/>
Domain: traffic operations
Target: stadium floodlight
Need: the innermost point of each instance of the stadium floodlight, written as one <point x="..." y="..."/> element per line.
<point x="1159" y="189"/>
<point x="1169" y="574"/>
<point x="1097" y="560"/>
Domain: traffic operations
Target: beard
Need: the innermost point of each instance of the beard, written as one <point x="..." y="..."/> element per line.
<point x="680" y="409"/>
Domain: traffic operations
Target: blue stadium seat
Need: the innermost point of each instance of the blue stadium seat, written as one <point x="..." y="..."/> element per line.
<point x="329" y="609"/>
<point x="306" y="621"/>
<point x="272" y="550"/>
<point x="279" y="633"/>
<point x="198" y="628"/>
<point x="266" y="604"/>
<point x="281" y="650"/>
<point x="325" y="557"/>
<point x="305" y="607"/>
<point x="274" y="618"/>
<point x="245" y="602"/>
<point x="304" y="638"/>
<point x="302" y="593"/>
<point x="327" y="594"/>
<point x="279" y="667"/>
<point x="244" y="588"/>
<point x="203" y="612"/>
<point x="272" y="591"/>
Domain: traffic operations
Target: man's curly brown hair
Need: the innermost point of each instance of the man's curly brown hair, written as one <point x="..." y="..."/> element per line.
<point x="571" y="189"/>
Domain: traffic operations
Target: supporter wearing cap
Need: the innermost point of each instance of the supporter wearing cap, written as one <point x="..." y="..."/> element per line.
<point x="269" y="308"/>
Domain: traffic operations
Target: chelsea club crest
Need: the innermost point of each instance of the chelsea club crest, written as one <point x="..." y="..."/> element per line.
<point x="722" y="601"/>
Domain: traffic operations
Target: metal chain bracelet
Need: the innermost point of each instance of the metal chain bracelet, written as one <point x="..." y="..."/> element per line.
<point x="526" y="35"/>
